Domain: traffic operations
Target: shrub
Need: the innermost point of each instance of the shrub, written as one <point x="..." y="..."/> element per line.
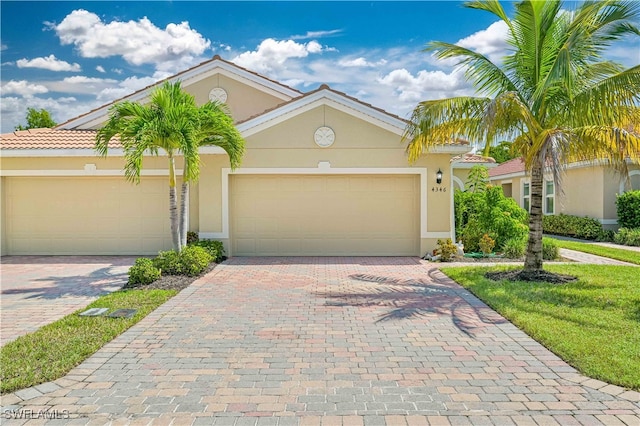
<point x="550" y="249"/>
<point x="169" y="263"/>
<point x="192" y="237"/>
<point x="143" y="272"/>
<point x="629" y="237"/>
<point x="194" y="260"/>
<point x="446" y="249"/>
<point x="486" y="244"/>
<point x="514" y="248"/>
<point x="585" y="228"/>
<point x="214" y="248"/>
<point x="488" y="212"/>
<point x="607" y="236"/>
<point x="628" y="207"/>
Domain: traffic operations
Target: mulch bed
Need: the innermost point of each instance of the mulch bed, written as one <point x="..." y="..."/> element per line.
<point x="171" y="282"/>
<point x="539" y="276"/>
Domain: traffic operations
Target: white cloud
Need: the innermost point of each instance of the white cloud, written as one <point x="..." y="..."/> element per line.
<point x="424" y="85"/>
<point x="50" y="63"/>
<point x="128" y="86"/>
<point x="14" y="109"/>
<point x="80" y="84"/>
<point x="271" y="54"/>
<point x="22" y="88"/>
<point x="138" y="42"/>
<point x="3" y="47"/>
<point x="360" y="62"/>
<point x="315" y="34"/>
<point x="100" y="68"/>
<point x="491" y="42"/>
<point x="117" y="70"/>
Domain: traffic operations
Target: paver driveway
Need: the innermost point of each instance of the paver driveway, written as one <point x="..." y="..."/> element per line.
<point x="38" y="290"/>
<point x="314" y="341"/>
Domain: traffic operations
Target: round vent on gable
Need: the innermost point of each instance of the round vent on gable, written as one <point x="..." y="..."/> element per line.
<point x="324" y="136"/>
<point x="218" y="94"/>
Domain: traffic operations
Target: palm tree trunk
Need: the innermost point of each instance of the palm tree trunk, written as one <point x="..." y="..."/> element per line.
<point x="173" y="204"/>
<point x="533" y="259"/>
<point x="184" y="214"/>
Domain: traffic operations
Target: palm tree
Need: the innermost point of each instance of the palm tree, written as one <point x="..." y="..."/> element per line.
<point x="553" y="95"/>
<point x="174" y="124"/>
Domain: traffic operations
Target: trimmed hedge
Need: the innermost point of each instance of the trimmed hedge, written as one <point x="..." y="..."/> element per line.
<point x="628" y="206"/>
<point x="585" y="228"/>
<point x="628" y="237"/>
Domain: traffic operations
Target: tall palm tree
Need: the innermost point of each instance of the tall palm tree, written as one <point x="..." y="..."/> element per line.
<point x="554" y="95"/>
<point x="171" y="122"/>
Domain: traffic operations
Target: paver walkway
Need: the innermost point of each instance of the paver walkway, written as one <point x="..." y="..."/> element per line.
<point x="310" y="341"/>
<point x="38" y="290"/>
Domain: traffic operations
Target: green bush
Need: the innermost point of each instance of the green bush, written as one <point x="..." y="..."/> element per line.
<point x="607" y="236"/>
<point x="192" y="237"/>
<point x="628" y="206"/>
<point x="169" y="263"/>
<point x="486" y="244"/>
<point x="194" y="260"/>
<point x="628" y="237"/>
<point x="550" y="250"/>
<point x="143" y="272"/>
<point x="514" y="248"/>
<point x="585" y="228"/>
<point x="446" y="249"/>
<point x="488" y="212"/>
<point x="214" y="248"/>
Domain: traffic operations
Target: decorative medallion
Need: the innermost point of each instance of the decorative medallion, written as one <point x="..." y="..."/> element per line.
<point x="324" y="136"/>
<point x="218" y="94"/>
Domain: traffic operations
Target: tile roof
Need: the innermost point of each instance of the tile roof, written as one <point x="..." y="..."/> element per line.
<point x="51" y="139"/>
<point x="471" y="158"/>
<point x="512" y="166"/>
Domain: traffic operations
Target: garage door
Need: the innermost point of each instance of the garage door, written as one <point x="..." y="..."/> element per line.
<point x="86" y="215"/>
<point x="335" y="215"/>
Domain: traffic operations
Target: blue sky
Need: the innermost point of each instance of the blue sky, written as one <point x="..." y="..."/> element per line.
<point x="70" y="57"/>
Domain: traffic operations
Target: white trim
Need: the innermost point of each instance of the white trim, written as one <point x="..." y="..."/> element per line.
<point x="317" y="99"/>
<point x="622" y="182"/>
<point x="608" y="221"/>
<point x="506" y="181"/>
<point x="87" y="152"/>
<point x="422" y="172"/>
<point x="459" y="181"/>
<point x="462" y="165"/>
<point x="448" y="149"/>
<point x="82" y="172"/>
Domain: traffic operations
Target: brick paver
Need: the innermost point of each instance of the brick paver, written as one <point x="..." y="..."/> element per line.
<point x="38" y="290"/>
<point x="324" y="341"/>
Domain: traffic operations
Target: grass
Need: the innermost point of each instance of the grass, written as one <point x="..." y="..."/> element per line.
<point x="610" y="252"/>
<point x="52" y="351"/>
<point x="593" y="323"/>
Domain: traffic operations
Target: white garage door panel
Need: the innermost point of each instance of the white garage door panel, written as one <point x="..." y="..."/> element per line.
<point x="86" y="216"/>
<point x="325" y="215"/>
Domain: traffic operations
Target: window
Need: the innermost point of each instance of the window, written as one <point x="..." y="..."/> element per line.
<point x="526" y="197"/>
<point x="549" y="197"/>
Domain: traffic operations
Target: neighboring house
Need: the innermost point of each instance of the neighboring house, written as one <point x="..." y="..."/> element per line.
<point x="324" y="174"/>
<point x="588" y="189"/>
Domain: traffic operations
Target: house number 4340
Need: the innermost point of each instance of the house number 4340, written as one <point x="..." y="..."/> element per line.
<point x="439" y="189"/>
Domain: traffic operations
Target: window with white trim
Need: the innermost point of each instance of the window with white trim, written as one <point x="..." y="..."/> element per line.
<point x="526" y="196"/>
<point x="549" y="197"/>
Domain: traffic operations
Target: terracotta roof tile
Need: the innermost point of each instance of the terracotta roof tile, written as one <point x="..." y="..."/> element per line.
<point x="472" y="158"/>
<point x="512" y="166"/>
<point x="51" y="139"/>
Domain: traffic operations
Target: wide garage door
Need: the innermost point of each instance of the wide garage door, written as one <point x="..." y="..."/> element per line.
<point x="86" y="215"/>
<point x="325" y="215"/>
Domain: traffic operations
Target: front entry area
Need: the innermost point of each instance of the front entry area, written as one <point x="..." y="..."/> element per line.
<point x="325" y="215"/>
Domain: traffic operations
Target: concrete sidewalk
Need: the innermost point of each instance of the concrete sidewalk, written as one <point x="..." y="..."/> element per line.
<point x="310" y="341"/>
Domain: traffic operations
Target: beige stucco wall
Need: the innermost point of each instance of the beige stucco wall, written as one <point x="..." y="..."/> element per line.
<point x="583" y="192"/>
<point x="3" y="232"/>
<point x="244" y="101"/>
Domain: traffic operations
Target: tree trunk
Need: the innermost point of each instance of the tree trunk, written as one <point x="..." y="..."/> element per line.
<point x="533" y="259"/>
<point x="184" y="214"/>
<point x="173" y="204"/>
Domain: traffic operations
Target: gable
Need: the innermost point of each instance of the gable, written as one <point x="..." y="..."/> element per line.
<point x="248" y="93"/>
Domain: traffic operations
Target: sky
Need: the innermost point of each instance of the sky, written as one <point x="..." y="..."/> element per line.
<point x="71" y="57"/>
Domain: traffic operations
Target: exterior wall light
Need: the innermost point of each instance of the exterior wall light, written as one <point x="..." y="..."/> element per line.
<point x="439" y="177"/>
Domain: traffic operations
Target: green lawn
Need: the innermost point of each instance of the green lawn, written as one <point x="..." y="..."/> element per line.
<point x="53" y="350"/>
<point x="593" y="323"/>
<point x="610" y="252"/>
